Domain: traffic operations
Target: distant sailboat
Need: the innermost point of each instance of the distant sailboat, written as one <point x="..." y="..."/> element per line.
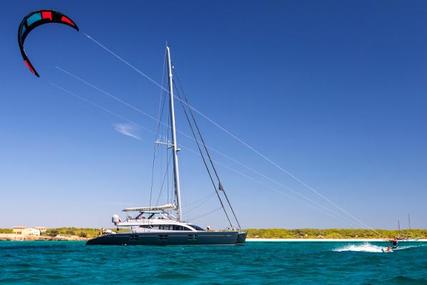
<point x="163" y="224"/>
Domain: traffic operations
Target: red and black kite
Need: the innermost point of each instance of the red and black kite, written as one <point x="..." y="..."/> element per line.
<point x="35" y="19"/>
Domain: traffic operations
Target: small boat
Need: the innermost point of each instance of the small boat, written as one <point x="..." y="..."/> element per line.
<point x="163" y="224"/>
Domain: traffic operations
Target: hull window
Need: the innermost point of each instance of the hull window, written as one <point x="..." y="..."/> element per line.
<point x="192" y="237"/>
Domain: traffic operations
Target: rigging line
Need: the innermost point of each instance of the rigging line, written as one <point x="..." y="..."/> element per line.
<point x="267" y="159"/>
<point x="168" y="183"/>
<point x="311" y="202"/>
<point x="152" y="173"/>
<point x="98" y="106"/>
<point x="198" y="203"/>
<point x="124" y="103"/>
<point x="128" y="105"/>
<point x="220" y="186"/>
<point x="331" y="211"/>
<point x="206" y="214"/>
<point x="101" y="108"/>
<point x="126" y="62"/>
<point x="163" y="182"/>
<point x="182" y="146"/>
<point x="312" y="189"/>
<point x="231" y="158"/>
<point x="78" y="78"/>
<point x="161" y="107"/>
<point x="170" y="186"/>
<point x="162" y="97"/>
<point x="111" y="113"/>
<point x="121" y="101"/>
<point x="180" y="88"/>
<point x="221" y="153"/>
<point x="200" y="200"/>
<point x="106" y="93"/>
<point x="214" y="186"/>
<point x="206" y="166"/>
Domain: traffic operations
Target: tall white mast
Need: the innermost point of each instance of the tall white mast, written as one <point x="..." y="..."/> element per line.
<point x="174" y="142"/>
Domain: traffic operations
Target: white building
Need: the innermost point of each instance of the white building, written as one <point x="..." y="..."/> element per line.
<point x="21" y="230"/>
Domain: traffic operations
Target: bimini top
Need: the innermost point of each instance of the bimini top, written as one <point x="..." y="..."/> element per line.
<point x="152" y="208"/>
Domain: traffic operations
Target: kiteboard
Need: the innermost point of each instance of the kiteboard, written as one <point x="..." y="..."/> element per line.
<point x="387" y="249"/>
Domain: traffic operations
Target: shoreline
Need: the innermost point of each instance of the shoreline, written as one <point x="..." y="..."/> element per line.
<point x="17" y="237"/>
<point x="253" y="235"/>
<point x="14" y="237"/>
<point x="329" y="240"/>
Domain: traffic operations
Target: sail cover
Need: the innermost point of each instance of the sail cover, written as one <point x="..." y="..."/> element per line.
<point x="152" y="208"/>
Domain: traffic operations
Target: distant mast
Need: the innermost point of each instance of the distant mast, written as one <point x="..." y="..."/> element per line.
<point x="175" y="148"/>
<point x="409" y="221"/>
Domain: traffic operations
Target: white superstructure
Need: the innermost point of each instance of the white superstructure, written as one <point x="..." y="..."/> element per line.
<point x="153" y="219"/>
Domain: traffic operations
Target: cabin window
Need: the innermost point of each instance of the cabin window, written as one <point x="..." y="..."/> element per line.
<point x="173" y="228"/>
<point x="197" y="228"/>
<point x="179" y="228"/>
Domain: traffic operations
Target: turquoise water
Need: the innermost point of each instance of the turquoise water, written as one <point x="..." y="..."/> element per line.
<point x="252" y="263"/>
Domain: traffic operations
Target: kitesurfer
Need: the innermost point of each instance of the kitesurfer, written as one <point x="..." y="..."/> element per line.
<point x="394" y="243"/>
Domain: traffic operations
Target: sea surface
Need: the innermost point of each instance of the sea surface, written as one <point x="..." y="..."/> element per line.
<point x="253" y="263"/>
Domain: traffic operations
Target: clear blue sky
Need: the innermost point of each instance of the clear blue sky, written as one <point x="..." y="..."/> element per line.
<point x="333" y="91"/>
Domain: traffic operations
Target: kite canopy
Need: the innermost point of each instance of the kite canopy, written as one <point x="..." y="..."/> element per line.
<point x="35" y="19"/>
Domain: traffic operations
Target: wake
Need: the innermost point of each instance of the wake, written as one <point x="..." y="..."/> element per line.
<point x="367" y="247"/>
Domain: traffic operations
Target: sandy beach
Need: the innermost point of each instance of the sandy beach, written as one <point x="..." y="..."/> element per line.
<point x="327" y="240"/>
<point x="17" y="237"/>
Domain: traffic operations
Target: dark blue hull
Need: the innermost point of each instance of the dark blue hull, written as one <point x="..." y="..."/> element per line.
<point x="170" y="238"/>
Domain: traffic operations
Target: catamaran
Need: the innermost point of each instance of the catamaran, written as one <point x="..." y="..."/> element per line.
<point x="164" y="224"/>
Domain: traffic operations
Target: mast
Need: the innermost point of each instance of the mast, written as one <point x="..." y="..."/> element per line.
<point x="174" y="142"/>
<point x="409" y="221"/>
